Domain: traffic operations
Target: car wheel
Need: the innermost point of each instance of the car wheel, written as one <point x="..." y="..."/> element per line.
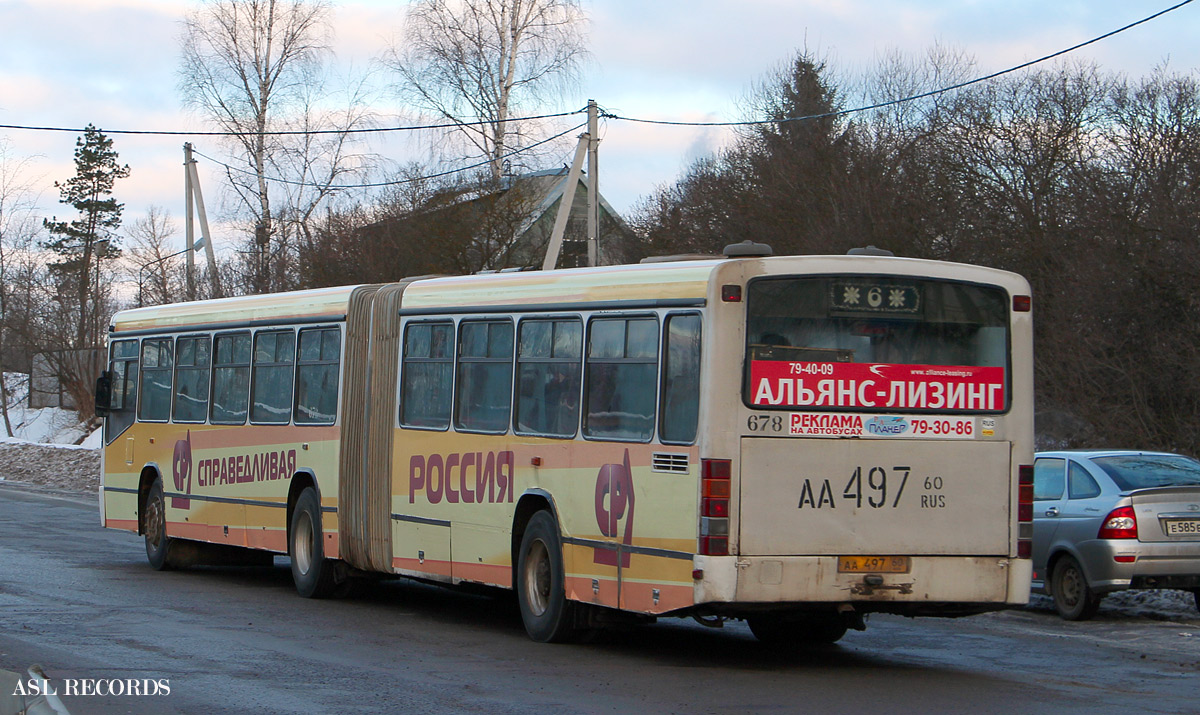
<point x="1073" y="598"/>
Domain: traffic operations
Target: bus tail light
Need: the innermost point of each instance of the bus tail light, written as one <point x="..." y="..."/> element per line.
<point x="1121" y="523"/>
<point x="1025" y="511"/>
<point x="714" y="506"/>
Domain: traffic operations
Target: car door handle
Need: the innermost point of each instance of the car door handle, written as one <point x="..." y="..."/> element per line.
<point x="1052" y="511"/>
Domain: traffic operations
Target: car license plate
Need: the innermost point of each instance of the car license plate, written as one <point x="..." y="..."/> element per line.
<point x="1183" y="527"/>
<point x="873" y="564"/>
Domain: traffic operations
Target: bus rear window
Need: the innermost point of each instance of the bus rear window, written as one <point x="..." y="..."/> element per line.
<point x="876" y="344"/>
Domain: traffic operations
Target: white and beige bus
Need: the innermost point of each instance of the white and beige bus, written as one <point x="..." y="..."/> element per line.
<point x="796" y="441"/>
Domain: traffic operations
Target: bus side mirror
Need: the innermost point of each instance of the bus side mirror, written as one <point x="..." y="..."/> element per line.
<point x="103" y="393"/>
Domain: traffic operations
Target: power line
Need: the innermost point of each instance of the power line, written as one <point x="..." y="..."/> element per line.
<point x="609" y="115"/>
<point x="293" y="132"/>
<point x="398" y="182"/>
<point x="923" y="95"/>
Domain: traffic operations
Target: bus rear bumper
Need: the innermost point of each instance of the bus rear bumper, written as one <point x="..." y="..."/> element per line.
<point x="988" y="582"/>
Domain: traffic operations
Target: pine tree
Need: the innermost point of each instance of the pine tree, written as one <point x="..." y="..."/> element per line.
<point x="84" y="243"/>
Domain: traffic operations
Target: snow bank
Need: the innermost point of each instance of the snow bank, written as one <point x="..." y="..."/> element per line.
<point x="54" y="466"/>
<point x="1155" y="604"/>
<point x="46" y="425"/>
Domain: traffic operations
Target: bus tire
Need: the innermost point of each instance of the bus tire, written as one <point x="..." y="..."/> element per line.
<point x="154" y="528"/>
<point x="779" y="631"/>
<point x="1073" y="598"/>
<point x="311" y="571"/>
<point x="541" y="585"/>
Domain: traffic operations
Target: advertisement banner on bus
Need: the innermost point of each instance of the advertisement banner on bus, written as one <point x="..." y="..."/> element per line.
<point x="777" y="383"/>
<point x="825" y="424"/>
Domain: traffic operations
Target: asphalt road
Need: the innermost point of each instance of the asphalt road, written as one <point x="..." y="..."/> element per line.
<point x="81" y="602"/>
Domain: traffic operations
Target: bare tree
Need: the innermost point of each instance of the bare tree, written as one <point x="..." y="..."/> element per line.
<point x="247" y="64"/>
<point x="321" y="163"/>
<point x="475" y="62"/>
<point x="158" y="268"/>
<point x="18" y="230"/>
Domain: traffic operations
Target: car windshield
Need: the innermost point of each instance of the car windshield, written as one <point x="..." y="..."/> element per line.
<point x="1147" y="471"/>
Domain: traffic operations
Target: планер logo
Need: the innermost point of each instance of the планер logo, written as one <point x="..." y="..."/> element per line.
<point x="886" y="426"/>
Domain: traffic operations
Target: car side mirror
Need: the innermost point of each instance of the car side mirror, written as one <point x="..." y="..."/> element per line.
<point x="103" y="393"/>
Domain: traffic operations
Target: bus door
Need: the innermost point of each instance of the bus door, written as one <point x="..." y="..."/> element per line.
<point x="620" y="395"/>
<point x="420" y="523"/>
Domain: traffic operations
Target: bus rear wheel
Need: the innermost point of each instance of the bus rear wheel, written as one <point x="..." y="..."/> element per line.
<point x="311" y="571"/>
<point x="154" y="527"/>
<point x="786" y="630"/>
<point x="541" y="584"/>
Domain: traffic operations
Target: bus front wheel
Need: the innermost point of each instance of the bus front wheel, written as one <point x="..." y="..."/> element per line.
<point x="154" y="527"/>
<point x="541" y="589"/>
<point x="311" y="571"/>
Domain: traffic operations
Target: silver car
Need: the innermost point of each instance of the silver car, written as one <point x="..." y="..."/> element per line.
<point x="1106" y="521"/>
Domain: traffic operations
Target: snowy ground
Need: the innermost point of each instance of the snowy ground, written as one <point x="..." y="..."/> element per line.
<point x="49" y="447"/>
<point x="47" y="425"/>
<point x="43" y="455"/>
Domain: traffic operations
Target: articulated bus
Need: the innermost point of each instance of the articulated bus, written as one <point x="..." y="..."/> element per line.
<point x="796" y="441"/>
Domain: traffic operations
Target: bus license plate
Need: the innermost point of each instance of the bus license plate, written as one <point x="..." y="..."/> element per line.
<point x="873" y="564"/>
<point x="1183" y="527"/>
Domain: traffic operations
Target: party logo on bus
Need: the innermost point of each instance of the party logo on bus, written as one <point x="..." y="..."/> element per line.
<point x="181" y="471"/>
<point x="614" y="497"/>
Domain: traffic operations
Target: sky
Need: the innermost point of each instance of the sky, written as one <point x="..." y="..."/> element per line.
<point x="113" y="63"/>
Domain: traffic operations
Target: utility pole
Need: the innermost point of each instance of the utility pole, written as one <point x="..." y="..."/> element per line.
<point x="189" y="236"/>
<point x="588" y="143"/>
<point x="192" y="187"/>
<point x="593" y="194"/>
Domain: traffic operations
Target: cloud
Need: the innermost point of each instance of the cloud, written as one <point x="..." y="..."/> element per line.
<point x="113" y="63"/>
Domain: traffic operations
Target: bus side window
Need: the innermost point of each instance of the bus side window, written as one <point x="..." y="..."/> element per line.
<point x="680" y="408"/>
<point x="271" y="379"/>
<point x="192" y="361"/>
<point x="157" y="370"/>
<point x="484" y="383"/>
<point x="231" y="378"/>
<point x="124" y="367"/>
<point x="317" y="376"/>
<point x="427" y="375"/>
<point x="622" y="379"/>
<point x="548" y="359"/>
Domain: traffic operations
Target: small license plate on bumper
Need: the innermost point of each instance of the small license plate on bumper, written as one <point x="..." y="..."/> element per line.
<point x="873" y="564"/>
